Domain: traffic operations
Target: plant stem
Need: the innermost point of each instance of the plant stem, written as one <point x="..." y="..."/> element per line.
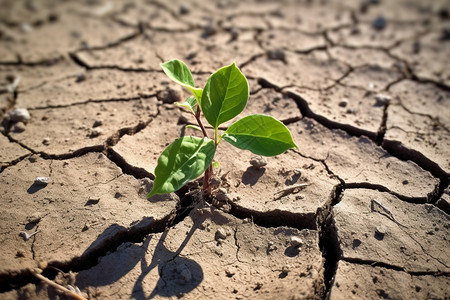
<point x="209" y="170"/>
<point x="197" y="117"/>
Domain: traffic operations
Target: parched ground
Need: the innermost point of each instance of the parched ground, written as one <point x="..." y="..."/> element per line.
<point x="360" y="211"/>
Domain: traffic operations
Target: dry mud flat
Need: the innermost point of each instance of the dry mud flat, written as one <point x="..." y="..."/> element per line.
<point x="360" y="211"/>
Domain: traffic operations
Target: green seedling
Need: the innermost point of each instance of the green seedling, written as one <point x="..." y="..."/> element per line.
<point x="224" y="97"/>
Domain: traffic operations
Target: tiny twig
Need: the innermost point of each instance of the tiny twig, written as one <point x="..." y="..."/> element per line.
<point x="58" y="287"/>
<point x="386" y="211"/>
<point x="291" y="188"/>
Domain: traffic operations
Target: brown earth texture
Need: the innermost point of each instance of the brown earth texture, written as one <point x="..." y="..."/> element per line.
<point x="359" y="211"/>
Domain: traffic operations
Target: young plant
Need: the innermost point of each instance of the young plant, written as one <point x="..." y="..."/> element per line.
<point x="224" y="97"/>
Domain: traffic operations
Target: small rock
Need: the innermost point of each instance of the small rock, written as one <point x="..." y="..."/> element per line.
<point x="46" y="141"/>
<point x="271" y="247"/>
<point x="382" y="99"/>
<point x="80" y="78"/>
<point x="20" y="253"/>
<point x="85" y="227"/>
<point x="296" y="241"/>
<point x="209" y="30"/>
<point x="380" y="232"/>
<point x="42" y="180"/>
<point x="170" y="95"/>
<point x="19" y="115"/>
<point x="444" y="13"/>
<point x="445" y="35"/>
<point x="97" y="123"/>
<point x="379" y="23"/>
<point x="186" y="275"/>
<point x="351" y="110"/>
<point x="276" y="54"/>
<point x="220" y="234"/>
<point x="117" y="195"/>
<point x="184" y="9"/>
<point x="234" y="32"/>
<point x="258" y="161"/>
<point x="343" y="103"/>
<point x="229" y="272"/>
<point x="25" y="27"/>
<point x="18" y="127"/>
<point x="222" y="195"/>
<point x="95" y="132"/>
<point x="92" y="201"/>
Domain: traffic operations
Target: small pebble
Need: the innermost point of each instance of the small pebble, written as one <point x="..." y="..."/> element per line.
<point x="222" y="195"/>
<point x="380" y="231"/>
<point x="229" y="272"/>
<point x="95" y="132"/>
<point x="343" y="103"/>
<point x="258" y="161"/>
<point x="276" y="54"/>
<point x="186" y="275"/>
<point x="351" y="110"/>
<point x="19" y="115"/>
<point x="271" y="247"/>
<point x="80" y="78"/>
<point x="234" y="32"/>
<point x="97" y="123"/>
<point x="296" y="241"/>
<point x="379" y="23"/>
<point x="220" y="234"/>
<point x="25" y="27"/>
<point x="209" y="30"/>
<point x="445" y="35"/>
<point x="46" y="141"/>
<point x="382" y="99"/>
<point x="42" y="180"/>
<point x="184" y="9"/>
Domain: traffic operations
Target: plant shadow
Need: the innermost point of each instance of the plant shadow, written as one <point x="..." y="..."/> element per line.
<point x="177" y="275"/>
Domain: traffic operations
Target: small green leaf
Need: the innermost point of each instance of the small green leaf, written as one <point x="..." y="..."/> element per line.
<point x="177" y="70"/>
<point x="216" y="164"/>
<point x="189" y="104"/>
<point x="261" y="134"/>
<point x="225" y="95"/>
<point x="194" y="127"/>
<point x="183" y="160"/>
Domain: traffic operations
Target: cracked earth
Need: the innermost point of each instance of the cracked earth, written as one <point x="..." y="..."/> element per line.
<point x="360" y="211"/>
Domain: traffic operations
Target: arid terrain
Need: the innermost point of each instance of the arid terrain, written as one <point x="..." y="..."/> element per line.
<point x="359" y="211"/>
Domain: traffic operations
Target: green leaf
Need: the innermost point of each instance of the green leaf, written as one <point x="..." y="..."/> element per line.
<point x="177" y="70"/>
<point x="183" y="160"/>
<point x="194" y="127"/>
<point x="225" y="95"/>
<point x="189" y="104"/>
<point x="261" y="134"/>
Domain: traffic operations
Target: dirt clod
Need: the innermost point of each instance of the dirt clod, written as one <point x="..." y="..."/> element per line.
<point x="296" y="241"/>
<point x="42" y="180"/>
<point x="258" y="161"/>
<point x="19" y="115"/>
